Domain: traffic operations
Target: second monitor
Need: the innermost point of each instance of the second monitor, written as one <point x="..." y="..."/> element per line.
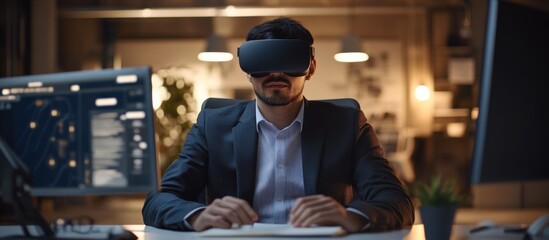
<point x="79" y="133"/>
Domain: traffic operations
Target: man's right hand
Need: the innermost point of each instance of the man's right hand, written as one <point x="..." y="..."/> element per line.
<point x="223" y="213"/>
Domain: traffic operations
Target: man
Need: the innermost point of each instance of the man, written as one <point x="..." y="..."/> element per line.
<point x="280" y="158"/>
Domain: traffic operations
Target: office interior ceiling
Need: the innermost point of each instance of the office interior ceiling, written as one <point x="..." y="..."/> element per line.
<point x="197" y="18"/>
<point x="272" y="3"/>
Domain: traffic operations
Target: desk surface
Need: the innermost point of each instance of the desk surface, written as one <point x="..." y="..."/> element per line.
<point x="459" y="232"/>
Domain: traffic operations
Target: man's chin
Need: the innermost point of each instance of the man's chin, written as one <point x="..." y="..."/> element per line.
<point x="275" y="101"/>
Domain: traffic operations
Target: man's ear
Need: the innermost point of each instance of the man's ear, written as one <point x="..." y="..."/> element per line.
<point x="312" y="69"/>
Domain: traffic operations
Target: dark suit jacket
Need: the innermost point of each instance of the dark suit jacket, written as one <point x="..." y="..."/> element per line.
<point x="341" y="158"/>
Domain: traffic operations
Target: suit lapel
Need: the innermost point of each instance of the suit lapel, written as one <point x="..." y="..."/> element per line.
<point x="312" y="140"/>
<point x="245" y="153"/>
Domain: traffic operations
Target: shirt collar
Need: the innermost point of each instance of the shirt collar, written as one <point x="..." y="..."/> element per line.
<point x="259" y="117"/>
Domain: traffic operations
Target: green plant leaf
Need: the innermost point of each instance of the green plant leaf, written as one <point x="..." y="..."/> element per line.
<point x="437" y="192"/>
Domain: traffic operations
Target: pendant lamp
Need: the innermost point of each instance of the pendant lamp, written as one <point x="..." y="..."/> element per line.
<point x="216" y="50"/>
<point x="351" y="50"/>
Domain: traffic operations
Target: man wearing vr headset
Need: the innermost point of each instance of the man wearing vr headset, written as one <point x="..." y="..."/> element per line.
<point x="280" y="158"/>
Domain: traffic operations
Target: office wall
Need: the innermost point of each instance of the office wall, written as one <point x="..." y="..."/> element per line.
<point x="378" y="84"/>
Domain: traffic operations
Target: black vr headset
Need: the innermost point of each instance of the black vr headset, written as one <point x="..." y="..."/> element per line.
<point x="261" y="57"/>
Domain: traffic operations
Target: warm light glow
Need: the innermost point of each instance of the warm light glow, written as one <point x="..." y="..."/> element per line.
<point x="230" y="10"/>
<point x="181" y="109"/>
<point x="215" y="56"/>
<point x="168" y="142"/>
<point x="174" y="133"/>
<point x="146" y="12"/>
<point x="72" y="163"/>
<point x="474" y="113"/>
<point x="422" y="92"/>
<point x="158" y="91"/>
<point x="455" y="129"/>
<point x="160" y="113"/>
<point x="51" y="162"/>
<point x="351" y="57"/>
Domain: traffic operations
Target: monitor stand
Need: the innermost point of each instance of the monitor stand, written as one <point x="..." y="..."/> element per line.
<point x="15" y="189"/>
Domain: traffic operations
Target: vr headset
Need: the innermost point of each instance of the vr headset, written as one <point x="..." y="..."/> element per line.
<point x="261" y="57"/>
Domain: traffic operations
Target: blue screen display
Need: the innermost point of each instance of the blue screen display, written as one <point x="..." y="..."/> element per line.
<point x="88" y="132"/>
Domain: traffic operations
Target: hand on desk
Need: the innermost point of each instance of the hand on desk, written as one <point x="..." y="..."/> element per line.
<point x="223" y="213"/>
<point x="307" y="211"/>
<point x="324" y="211"/>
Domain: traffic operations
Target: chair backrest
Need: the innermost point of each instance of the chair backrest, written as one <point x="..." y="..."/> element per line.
<point x="211" y="103"/>
<point x="399" y="145"/>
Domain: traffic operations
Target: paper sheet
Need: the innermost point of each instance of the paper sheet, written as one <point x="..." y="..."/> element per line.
<point x="265" y="230"/>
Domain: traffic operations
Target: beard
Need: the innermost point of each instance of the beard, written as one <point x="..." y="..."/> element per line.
<point x="277" y="98"/>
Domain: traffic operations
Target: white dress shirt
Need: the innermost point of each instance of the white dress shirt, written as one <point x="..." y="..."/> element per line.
<point x="279" y="169"/>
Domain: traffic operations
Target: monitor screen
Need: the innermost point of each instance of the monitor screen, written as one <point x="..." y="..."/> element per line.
<point x="79" y="133"/>
<point x="511" y="143"/>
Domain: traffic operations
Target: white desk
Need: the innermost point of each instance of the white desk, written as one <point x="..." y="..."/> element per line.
<point x="415" y="233"/>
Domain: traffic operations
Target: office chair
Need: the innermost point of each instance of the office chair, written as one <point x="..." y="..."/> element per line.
<point x="404" y="141"/>
<point x="212" y="103"/>
<point x="399" y="150"/>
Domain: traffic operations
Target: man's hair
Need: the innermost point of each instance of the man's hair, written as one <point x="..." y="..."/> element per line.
<point x="280" y="28"/>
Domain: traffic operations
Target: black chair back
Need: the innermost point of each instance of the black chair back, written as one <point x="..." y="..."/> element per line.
<point x="212" y="103"/>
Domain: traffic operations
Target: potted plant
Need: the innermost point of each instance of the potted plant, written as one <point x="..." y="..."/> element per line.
<point x="438" y="203"/>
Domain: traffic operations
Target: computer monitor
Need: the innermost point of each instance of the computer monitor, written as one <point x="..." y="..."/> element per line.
<point x="512" y="129"/>
<point x="84" y="132"/>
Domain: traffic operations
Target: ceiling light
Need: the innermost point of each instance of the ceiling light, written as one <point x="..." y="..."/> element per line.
<point x="216" y="50"/>
<point x="351" y="50"/>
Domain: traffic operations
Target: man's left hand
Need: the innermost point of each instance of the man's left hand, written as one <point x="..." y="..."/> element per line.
<point x="324" y="211"/>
